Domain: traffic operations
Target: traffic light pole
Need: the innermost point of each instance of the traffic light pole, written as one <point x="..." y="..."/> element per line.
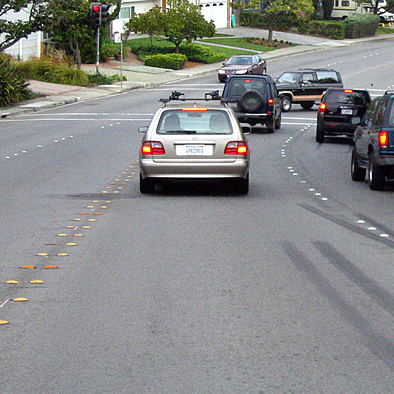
<point x="97" y="50"/>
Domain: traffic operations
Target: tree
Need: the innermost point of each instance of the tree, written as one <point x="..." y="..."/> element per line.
<point x="11" y="31"/>
<point x="68" y="23"/>
<point x="181" y="21"/>
<point x="278" y="8"/>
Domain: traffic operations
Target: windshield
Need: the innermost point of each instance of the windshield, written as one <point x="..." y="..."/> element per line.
<point x="353" y="98"/>
<point x="239" y="60"/>
<point x="289" y="78"/>
<point x="194" y="122"/>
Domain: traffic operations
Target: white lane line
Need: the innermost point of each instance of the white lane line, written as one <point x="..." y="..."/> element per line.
<point x="5" y="301"/>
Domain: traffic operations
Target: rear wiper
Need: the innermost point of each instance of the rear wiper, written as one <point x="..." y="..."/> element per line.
<point x="181" y="131"/>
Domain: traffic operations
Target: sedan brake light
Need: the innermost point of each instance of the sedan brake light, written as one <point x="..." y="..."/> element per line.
<point x="322" y="108"/>
<point x="383" y="139"/>
<point x="236" y="148"/>
<point x="153" y="148"/>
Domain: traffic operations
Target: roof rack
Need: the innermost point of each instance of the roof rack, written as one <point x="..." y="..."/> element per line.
<point x="175" y="95"/>
<point x="315" y="69"/>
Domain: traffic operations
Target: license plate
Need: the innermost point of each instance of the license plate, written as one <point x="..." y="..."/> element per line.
<point x="346" y="111"/>
<point x="194" y="150"/>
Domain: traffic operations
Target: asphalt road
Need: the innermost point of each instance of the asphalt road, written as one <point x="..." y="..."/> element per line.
<point x="193" y="289"/>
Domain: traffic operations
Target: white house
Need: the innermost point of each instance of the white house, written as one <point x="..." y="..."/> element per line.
<point x="218" y="11"/>
<point x="25" y="47"/>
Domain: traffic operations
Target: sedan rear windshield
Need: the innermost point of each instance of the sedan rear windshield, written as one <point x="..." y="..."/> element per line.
<point x="194" y="122"/>
<point x="352" y="98"/>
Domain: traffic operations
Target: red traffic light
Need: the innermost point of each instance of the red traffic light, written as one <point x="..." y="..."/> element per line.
<point x="96" y="8"/>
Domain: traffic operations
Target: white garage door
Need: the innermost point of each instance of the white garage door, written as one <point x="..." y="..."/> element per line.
<point x="216" y="11"/>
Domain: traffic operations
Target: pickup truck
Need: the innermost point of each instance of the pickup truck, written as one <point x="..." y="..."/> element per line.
<point x="373" y="151"/>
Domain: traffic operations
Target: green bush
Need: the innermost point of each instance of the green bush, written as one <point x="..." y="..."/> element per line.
<point x="102" y="79"/>
<point x="261" y="20"/>
<point x="51" y="70"/>
<point x="357" y="26"/>
<point x="329" y="29"/>
<point x="200" y="53"/>
<point x="174" y="61"/>
<point x="13" y="87"/>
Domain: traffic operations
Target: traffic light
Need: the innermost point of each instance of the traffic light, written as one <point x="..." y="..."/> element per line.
<point x="95" y="14"/>
<point x="104" y="14"/>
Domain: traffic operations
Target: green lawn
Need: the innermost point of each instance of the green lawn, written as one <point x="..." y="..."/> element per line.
<point x="241" y="42"/>
<point x="228" y="52"/>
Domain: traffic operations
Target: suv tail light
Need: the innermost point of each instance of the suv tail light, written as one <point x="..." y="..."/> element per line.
<point x="153" y="148"/>
<point x="322" y="108"/>
<point x="236" y="148"/>
<point x="383" y="139"/>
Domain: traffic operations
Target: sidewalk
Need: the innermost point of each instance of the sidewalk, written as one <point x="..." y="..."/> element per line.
<point x="140" y="76"/>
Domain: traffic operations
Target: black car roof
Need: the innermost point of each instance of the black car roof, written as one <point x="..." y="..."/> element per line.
<point x="248" y="76"/>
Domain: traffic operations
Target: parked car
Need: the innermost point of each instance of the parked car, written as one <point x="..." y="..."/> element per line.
<point x="194" y="139"/>
<point x="305" y="86"/>
<point x="373" y="151"/>
<point x="254" y="100"/>
<point x="242" y="64"/>
<point x="338" y="107"/>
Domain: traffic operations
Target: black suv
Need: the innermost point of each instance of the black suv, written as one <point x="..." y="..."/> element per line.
<point x="254" y="100"/>
<point x="373" y="151"/>
<point x="305" y="86"/>
<point x="337" y="109"/>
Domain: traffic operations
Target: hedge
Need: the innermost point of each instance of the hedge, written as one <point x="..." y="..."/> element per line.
<point x="202" y="54"/>
<point x="174" y="61"/>
<point x="357" y="26"/>
<point x="329" y="29"/>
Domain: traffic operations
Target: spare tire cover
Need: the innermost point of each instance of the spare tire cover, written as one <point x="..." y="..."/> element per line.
<point x="251" y="101"/>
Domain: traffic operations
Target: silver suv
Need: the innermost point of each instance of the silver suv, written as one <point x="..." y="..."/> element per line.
<point x="194" y="139"/>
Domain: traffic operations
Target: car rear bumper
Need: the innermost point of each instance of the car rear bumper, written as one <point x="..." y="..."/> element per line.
<point x="338" y="128"/>
<point x="195" y="170"/>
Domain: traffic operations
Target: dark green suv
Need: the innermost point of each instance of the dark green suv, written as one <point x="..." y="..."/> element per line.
<point x="373" y="151"/>
<point x="305" y="86"/>
<point x="254" y="100"/>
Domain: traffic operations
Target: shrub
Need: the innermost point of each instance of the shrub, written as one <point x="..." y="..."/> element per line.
<point x="53" y="70"/>
<point x="102" y="79"/>
<point x="174" y="61"/>
<point x="200" y="53"/>
<point x="357" y="26"/>
<point x="329" y="29"/>
<point x="13" y="87"/>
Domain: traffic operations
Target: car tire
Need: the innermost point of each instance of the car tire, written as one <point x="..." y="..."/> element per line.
<point x="270" y="126"/>
<point x="319" y="133"/>
<point x="147" y="185"/>
<point x="286" y="103"/>
<point x="375" y="174"/>
<point x="307" y="104"/>
<point x="242" y="185"/>
<point x="357" y="173"/>
<point x="251" y="101"/>
<point x="278" y="122"/>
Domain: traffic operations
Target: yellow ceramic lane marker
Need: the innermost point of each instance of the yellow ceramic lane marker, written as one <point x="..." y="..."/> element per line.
<point x="36" y="282"/>
<point x="28" y="267"/>
<point x="42" y="254"/>
<point x="12" y="282"/>
<point x="3" y="322"/>
<point x="62" y="254"/>
<point x="62" y="235"/>
<point x="20" y="299"/>
<point x="78" y="235"/>
<point x="92" y="220"/>
<point x="84" y="213"/>
<point x="72" y="227"/>
<point x="71" y="244"/>
<point x="50" y="267"/>
<point x="77" y="220"/>
<point x="86" y="227"/>
<point x="90" y="207"/>
<point x="97" y="213"/>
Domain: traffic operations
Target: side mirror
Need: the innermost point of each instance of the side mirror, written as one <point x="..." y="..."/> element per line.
<point x="247" y="129"/>
<point x="355" y="120"/>
<point x="142" y="129"/>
